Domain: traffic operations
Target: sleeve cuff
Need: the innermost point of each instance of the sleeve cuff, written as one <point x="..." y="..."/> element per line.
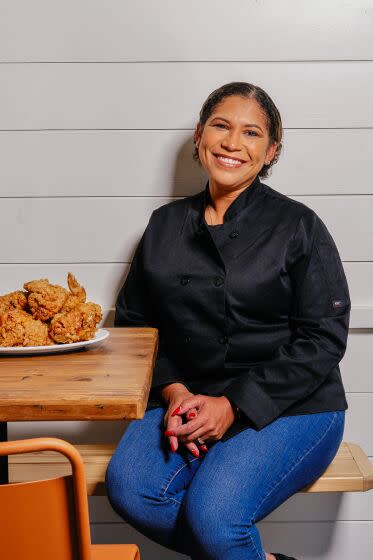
<point x="252" y="401"/>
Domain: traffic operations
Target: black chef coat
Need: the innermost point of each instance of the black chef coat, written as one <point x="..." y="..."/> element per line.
<point x="256" y="309"/>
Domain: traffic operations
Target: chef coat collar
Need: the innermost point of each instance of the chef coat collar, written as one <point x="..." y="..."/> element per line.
<point x="239" y="203"/>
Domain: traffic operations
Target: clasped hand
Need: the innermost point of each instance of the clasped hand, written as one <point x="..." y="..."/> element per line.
<point x="208" y="418"/>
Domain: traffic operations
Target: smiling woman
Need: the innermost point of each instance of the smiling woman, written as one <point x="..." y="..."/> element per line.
<point x="269" y="112"/>
<point x="238" y="136"/>
<point x="247" y="290"/>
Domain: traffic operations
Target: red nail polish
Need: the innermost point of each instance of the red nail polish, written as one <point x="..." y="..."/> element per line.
<point x="173" y="447"/>
<point x="169" y="433"/>
<point x="195" y="453"/>
<point x="192" y="415"/>
<point x="176" y="411"/>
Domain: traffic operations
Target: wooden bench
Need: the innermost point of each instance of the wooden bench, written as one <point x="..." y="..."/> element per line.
<point x="350" y="471"/>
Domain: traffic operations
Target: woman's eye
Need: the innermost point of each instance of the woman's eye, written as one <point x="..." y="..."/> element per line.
<point x="248" y="132"/>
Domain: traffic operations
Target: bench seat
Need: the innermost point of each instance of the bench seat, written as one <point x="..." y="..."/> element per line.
<point x="350" y="471"/>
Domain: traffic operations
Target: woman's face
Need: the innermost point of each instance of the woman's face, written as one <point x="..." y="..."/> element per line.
<point x="234" y="143"/>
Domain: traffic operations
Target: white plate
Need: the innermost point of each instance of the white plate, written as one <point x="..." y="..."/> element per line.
<point x="100" y="336"/>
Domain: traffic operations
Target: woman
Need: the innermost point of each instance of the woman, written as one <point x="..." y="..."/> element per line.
<point x="252" y="305"/>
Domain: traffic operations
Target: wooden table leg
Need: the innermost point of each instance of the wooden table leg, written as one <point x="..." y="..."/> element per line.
<point x="4" y="460"/>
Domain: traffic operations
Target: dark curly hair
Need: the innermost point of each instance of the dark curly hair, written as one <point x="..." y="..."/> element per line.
<point x="249" y="91"/>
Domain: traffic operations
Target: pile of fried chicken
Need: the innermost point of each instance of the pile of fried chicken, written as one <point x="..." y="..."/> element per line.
<point x="47" y="314"/>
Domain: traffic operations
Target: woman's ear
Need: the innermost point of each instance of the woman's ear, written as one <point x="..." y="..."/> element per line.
<point x="271" y="152"/>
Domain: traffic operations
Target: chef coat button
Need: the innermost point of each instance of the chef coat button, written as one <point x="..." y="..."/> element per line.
<point x="187" y="339"/>
<point x="223" y="339"/>
<point x="218" y="281"/>
<point x="233" y="234"/>
<point x="184" y="280"/>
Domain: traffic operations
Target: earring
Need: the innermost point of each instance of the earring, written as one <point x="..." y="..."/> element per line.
<point x="267" y="162"/>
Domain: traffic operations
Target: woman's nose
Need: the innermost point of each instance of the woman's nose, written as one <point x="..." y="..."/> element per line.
<point x="232" y="140"/>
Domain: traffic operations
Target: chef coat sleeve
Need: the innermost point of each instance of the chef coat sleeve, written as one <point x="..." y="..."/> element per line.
<point x="319" y="321"/>
<point x="133" y="309"/>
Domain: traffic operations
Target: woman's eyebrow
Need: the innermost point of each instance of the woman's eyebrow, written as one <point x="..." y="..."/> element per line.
<point x="246" y="125"/>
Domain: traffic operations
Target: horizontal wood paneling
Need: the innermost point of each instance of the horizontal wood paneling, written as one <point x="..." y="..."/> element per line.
<point x="148" y="95"/>
<point x="360" y="280"/>
<point x="352" y="214"/>
<point x="75" y="432"/>
<point x="169" y="30"/>
<point x="97" y="163"/>
<point x="65" y="230"/>
<point x="74" y="230"/>
<point x="351" y="506"/>
<point x="341" y="540"/>
<point x="355" y="365"/>
<point x="358" y="427"/>
<point x="361" y="318"/>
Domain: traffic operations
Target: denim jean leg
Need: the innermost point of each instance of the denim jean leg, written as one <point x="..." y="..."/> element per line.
<point x="146" y="481"/>
<point x="311" y="463"/>
<point x="213" y="523"/>
<point x="244" y="478"/>
<point x="208" y="507"/>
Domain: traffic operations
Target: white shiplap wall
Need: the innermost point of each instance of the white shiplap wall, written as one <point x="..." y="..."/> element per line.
<point x="98" y="101"/>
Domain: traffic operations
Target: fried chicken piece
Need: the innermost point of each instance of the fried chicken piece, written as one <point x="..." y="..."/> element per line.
<point x="18" y="328"/>
<point x="45" y="299"/>
<point x="77" y="294"/>
<point x="76" y="325"/>
<point x="13" y="300"/>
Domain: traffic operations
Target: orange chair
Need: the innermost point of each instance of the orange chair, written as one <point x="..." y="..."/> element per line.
<point x="48" y="519"/>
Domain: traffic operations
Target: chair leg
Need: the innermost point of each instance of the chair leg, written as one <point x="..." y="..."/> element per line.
<point x="4" y="478"/>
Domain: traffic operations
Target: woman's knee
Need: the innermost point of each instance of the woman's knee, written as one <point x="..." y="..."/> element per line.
<point x="212" y="522"/>
<point x="136" y="493"/>
<point x="131" y="476"/>
<point x="121" y="485"/>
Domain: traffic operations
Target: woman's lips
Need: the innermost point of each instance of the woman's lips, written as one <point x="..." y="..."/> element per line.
<point x="228" y="163"/>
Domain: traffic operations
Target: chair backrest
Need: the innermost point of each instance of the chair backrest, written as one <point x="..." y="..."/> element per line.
<point x="45" y="519"/>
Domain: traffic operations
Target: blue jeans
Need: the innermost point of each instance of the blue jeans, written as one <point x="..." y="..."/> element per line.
<point x="207" y="507"/>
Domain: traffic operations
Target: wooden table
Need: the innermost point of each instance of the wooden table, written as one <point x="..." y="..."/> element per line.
<point x="109" y="382"/>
